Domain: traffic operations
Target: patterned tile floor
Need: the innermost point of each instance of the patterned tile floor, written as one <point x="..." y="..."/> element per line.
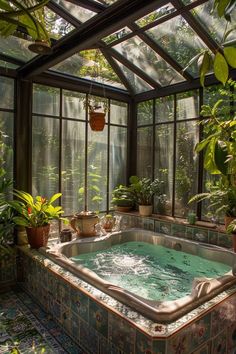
<point x="26" y="329"/>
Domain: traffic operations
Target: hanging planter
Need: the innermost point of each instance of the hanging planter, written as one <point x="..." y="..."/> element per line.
<point x="97" y="121"/>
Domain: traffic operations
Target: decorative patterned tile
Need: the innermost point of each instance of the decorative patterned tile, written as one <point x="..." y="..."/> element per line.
<point x="203" y="350"/>
<point x="223" y="315"/>
<point x="180" y="343"/>
<point x="98" y="318"/>
<point x="219" y="343"/>
<point x="165" y="228"/>
<point x="200" y="331"/>
<point x="88" y="337"/>
<point x="213" y="237"/>
<point x="200" y="235"/>
<point x="107" y="347"/>
<point x="121" y="334"/>
<point x="159" y="346"/>
<point x="189" y="232"/>
<point x="157" y="226"/>
<point x="231" y="338"/>
<point x="178" y="230"/>
<point x="143" y="343"/>
<point x="148" y="224"/>
<point x="224" y="240"/>
<point x="79" y="303"/>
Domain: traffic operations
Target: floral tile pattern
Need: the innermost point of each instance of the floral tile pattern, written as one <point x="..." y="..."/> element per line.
<point x="219" y="343"/>
<point x="121" y="334"/>
<point x="24" y="331"/>
<point x="98" y="318"/>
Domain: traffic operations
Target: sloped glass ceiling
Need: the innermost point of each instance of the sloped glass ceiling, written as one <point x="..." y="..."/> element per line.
<point x="90" y="65"/>
<point x="80" y="13"/>
<point x="155" y="48"/>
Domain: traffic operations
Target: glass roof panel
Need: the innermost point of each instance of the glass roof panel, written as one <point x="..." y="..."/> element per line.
<point x="90" y="65"/>
<point x="78" y="12"/>
<point x="56" y="26"/>
<point x="154" y="15"/>
<point x="116" y="35"/>
<point x="144" y="57"/>
<point x="138" y="84"/>
<point x="179" y="40"/>
<point x="6" y="64"/>
<point x="214" y="25"/>
<point x="16" y="47"/>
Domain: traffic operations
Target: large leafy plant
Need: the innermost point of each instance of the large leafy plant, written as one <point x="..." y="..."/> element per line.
<point x="143" y="189"/>
<point x="27" y="14"/>
<point x="35" y="212"/>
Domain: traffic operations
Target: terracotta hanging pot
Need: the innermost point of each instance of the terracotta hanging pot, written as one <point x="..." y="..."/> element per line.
<point x="38" y="236"/>
<point x="97" y="120"/>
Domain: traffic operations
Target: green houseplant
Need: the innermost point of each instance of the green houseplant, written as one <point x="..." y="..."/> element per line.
<point x="36" y="214"/>
<point x="143" y="190"/>
<point x="219" y="147"/>
<point x="122" y="198"/>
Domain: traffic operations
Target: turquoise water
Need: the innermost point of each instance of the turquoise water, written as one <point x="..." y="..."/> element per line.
<point x="151" y="271"/>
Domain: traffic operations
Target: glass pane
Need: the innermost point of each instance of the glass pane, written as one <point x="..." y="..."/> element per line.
<point x="118" y="158"/>
<point x="80" y="13"/>
<point x="73" y="104"/>
<point x="6" y="93"/>
<point x="164" y="166"/>
<point x="73" y="163"/>
<point x="186" y="175"/>
<point x="45" y="156"/>
<point x="144" y="151"/>
<point x="118" y="112"/>
<point x="164" y="109"/>
<point x="46" y="100"/>
<point x="153" y="16"/>
<point x="6" y="144"/>
<point x="214" y="93"/>
<point x="140" y="54"/>
<point x="6" y="64"/>
<point x="187" y="105"/>
<point x="16" y="47"/>
<point x="90" y="65"/>
<point x="145" y="113"/>
<point x="179" y="40"/>
<point x="56" y="26"/>
<point x="138" y="84"/>
<point x="116" y="35"/>
<point x="210" y="20"/>
<point x="97" y="170"/>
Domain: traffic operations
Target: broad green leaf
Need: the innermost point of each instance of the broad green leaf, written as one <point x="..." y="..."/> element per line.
<point x="81" y="190"/>
<point x="221" y="69"/>
<point x="205" y="66"/>
<point x="209" y="162"/>
<point x="201" y="145"/>
<point x="220" y="158"/>
<point x="222" y="6"/>
<point x="230" y="55"/>
<point x="54" y="197"/>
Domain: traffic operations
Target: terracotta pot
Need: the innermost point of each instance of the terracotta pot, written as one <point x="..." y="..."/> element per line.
<point x="38" y="236"/>
<point x="123" y="208"/>
<point x="97" y="120"/>
<point x="145" y="210"/>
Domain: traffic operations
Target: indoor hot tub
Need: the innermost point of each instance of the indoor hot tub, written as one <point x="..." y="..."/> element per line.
<point x="160" y="276"/>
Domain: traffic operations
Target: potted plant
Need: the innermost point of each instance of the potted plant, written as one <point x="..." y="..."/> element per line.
<point x="122" y="198"/>
<point x="35" y="214"/>
<point x="143" y="190"/>
<point x="97" y="110"/>
<point x="231" y="229"/>
<point x="108" y="222"/>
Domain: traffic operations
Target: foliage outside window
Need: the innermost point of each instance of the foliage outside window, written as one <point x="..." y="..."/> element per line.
<point x="67" y="154"/>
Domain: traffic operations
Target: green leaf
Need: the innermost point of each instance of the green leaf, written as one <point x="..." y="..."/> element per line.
<point x="205" y="66"/>
<point x="230" y="55"/>
<point x="209" y="158"/>
<point x="54" y="197"/>
<point x="221" y="69"/>
<point x="81" y="190"/>
<point x="220" y="157"/>
<point x="222" y="6"/>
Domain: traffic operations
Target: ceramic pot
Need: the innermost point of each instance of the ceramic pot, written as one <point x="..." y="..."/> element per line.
<point x="123" y="208"/>
<point x="84" y="223"/>
<point x="97" y="120"/>
<point x="38" y="236"/>
<point x="145" y="210"/>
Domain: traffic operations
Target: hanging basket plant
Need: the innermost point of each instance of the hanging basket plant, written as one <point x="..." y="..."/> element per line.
<point x="97" y="121"/>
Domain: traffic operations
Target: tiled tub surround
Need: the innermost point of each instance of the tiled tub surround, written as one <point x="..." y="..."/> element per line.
<point x="213" y="235"/>
<point x="102" y="325"/>
<point x="164" y="311"/>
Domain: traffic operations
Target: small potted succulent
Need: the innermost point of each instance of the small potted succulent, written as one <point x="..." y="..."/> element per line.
<point x="35" y="214"/>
